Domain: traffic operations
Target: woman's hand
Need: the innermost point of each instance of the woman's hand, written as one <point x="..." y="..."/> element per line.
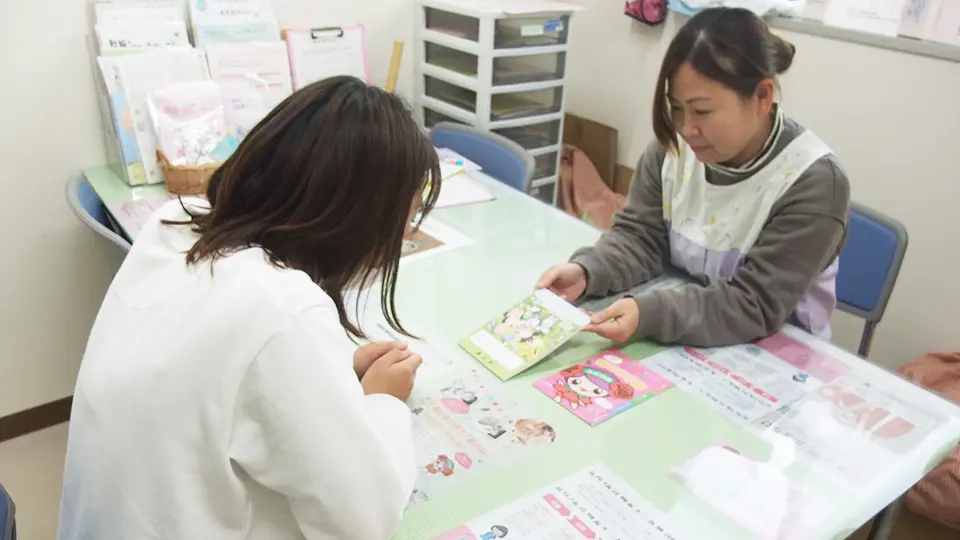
<point x="367" y="354"/>
<point x="568" y="281"/>
<point x="618" y="322"/>
<point x="392" y="374"/>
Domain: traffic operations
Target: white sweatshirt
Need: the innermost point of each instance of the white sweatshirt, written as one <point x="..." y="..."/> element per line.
<point x="225" y="406"/>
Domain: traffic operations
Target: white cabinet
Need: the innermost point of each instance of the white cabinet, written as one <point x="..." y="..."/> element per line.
<point x="499" y="66"/>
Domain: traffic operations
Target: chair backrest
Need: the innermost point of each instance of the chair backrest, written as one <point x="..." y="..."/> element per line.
<point x="870" y="263"/>
<point x="500" y="157"/>
<point x="87" y="206"/>
<point x="8" y="529"/>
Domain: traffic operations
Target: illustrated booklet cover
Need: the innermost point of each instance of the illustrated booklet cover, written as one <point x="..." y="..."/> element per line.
<point x="525" y="334"/>
<point x="603" y="386"/>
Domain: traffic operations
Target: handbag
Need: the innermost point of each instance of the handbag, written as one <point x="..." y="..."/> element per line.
<point x="649" y="12"/>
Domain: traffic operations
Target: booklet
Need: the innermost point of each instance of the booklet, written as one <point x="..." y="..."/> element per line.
<point x="594" y="503"/>
<point x="603" y="386"/>
<point x="465" y="425"/>
<point x="525" y="334"/>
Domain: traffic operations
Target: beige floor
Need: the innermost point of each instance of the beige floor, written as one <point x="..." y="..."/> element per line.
<point x="31" y="468"/>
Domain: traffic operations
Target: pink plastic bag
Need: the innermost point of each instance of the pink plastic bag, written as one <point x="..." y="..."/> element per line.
<point x="650" y="12"/>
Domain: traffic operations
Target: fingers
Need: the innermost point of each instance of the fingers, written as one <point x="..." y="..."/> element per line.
<point x="394" y="356"/>
<point x="412" y="362"/>
<point x="548" y="277"/>
<point x="611" y="312"/>
<point x="380" y="348"/>
<point x="612" y="329"/>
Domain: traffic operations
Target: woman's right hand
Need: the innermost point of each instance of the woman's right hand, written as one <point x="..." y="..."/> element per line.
<point x="392" y="374"/>
<point x="568" y="281"/>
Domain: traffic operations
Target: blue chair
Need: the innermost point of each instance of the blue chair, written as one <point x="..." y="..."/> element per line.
<point x="500" y="157"/>
<point x="86" y="204"/>
<point x="8" y="526"/>
<point x="869" y="265"/>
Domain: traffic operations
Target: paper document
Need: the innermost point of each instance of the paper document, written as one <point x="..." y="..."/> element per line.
<point x="525" y="334"/>
<point x="253" y="77"/>
<point x="140" y="10"/>
<point x="132" y="215"/>
<point x="873" y="16"/>
<point x="125" y="37"/>
<point x="851" y="428"/>
<point x="462" y="190"/>
<point x="919" y="18"/>
<point x="464" y="426"/>
<point x="592" y="504"/>
<point x="745" y="382"/>
<point x="431" y="238"/>
<point x="216" y="12"/>
<point x="603" y="386"/>
<point x="320" y="53"/>
<point x="947" y="29"/>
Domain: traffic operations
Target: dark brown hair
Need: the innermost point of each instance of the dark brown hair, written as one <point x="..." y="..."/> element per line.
<point x="324" y="184"/>
<point x="729" y="45"/>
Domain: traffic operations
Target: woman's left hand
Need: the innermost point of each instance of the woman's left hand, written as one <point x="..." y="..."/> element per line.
<point x="618" y="322"/>
<point x="367" y="354"/>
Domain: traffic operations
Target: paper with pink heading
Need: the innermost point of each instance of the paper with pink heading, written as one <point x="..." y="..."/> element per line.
<point x="603" y="386"/>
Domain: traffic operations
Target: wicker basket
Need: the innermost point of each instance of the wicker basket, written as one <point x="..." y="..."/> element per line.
<point x="186" y="179"/>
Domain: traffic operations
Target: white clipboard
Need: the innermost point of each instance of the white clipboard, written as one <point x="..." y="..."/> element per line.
<point x="319" y="53"/>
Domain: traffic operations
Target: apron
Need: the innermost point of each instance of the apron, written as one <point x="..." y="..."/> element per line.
<point x="712" y="228"/>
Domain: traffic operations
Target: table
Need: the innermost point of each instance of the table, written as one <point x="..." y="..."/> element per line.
<point x="515" y="238"/>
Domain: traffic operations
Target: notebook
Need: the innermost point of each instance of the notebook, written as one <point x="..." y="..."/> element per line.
<point x="320" y="53"/>
<point x="525" y="334"/>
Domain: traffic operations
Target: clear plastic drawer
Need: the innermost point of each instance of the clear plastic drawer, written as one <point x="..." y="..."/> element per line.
<point x="450" y="59"/>
<point x="532" y="31"/>
<point x="516" y="105"/>
<point x="432" y="118"/>
<point x="533" y="136"/>
<point x="544" y="193"/>
<point x="452" y="24"/>
<point x="450" y="94"/>
<point x="545" y="165"/>
<point x="528" y="69"/>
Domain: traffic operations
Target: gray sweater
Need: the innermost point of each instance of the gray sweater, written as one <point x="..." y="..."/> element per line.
<point x="802" y="237"/>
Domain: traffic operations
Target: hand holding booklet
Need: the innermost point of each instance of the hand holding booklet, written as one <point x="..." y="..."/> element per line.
<point x="525" y="334"/>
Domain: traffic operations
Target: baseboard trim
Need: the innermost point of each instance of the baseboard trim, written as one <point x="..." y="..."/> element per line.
<point x="35" y="419"/>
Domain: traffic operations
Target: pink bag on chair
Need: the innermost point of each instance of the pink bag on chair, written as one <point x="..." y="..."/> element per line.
<point x="650" y="12"/>
<point x="937" y="496"/>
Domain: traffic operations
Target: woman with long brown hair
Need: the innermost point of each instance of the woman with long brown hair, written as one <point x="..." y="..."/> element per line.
<point x="733" y="193"/>
<point x="222" y="395"/>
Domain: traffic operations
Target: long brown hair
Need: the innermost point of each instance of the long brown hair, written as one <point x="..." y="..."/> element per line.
<point x="729" y="45"/>
<point x="324" y="184"/>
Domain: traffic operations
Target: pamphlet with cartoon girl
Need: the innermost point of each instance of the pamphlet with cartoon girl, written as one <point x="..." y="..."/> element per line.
<point x="525" y="334"/>
<point x="603" y="386"/>
<point x="464" y="426"/>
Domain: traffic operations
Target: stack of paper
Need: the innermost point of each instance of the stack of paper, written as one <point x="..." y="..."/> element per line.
<point x="253" y="77"/>
<point x="462" y="190"/>
<point x="233" y="21"/>
<point x="458" y="188"/>
<point x="138" y="75"/>
<point x="127" y="37"/>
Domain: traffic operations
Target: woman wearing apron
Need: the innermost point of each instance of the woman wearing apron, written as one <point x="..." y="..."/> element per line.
<point x="733" y="193"/>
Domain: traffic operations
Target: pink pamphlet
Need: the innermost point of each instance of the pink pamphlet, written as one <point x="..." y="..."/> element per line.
<point x="603" y="386"/>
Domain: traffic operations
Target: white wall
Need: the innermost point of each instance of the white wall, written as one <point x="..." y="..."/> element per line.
<point x="891" y="117"/>
<point x="55" y="272"/>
